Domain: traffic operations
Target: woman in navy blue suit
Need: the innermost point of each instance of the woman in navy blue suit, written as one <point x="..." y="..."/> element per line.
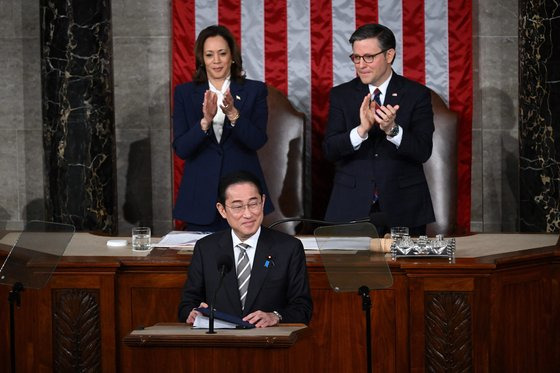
<point x="219" y="123"/>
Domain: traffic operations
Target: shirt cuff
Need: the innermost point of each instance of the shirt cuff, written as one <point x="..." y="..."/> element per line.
<point x="356" y="139"/>
<point x="397" y="139"/>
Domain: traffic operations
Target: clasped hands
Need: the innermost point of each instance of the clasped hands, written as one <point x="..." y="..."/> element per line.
<point x="210" y="108"/>
<point x="371" y="113"/>
<point x="258" y="318"/>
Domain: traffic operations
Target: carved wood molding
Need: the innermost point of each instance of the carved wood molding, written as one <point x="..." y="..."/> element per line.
<point x="76" y="330"/>
<point x="448" y="333"/>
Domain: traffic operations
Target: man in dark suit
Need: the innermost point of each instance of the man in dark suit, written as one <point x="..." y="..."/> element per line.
<point x="269" y="283"/>
<point x="379" y="133"/>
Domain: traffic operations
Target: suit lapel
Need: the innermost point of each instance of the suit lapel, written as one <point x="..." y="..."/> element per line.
<point x="259" y="272"/>
<point x="238" y="93"/>
<point x="230" y="280"/>
<point x="361" y="91"/>
<point x="395" y="91"/>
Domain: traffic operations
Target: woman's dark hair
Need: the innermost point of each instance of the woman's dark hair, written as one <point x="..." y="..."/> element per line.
<point x="237" y="177"/>
<point x="237" y="73"/>
<point x="383" y="34"/>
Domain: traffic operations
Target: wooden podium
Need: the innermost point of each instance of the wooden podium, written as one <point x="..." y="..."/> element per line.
<point x="181" y="348"/>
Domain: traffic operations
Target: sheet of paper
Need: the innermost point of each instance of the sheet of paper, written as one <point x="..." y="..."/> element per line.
<point x="309" y="242"/>
<point x="202" y="322"/>
<point x="180" y="239"/>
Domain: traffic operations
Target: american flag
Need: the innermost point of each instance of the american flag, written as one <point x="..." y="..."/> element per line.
<point x="301" y="47"/>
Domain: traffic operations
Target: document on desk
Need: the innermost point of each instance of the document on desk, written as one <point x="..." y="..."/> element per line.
<point x="222" y="320"/>
<point x="201" y="322"/>
<point x="180" y="239"/>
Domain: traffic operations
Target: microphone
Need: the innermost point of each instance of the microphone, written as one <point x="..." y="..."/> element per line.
<point x="225" y="264"/>
<point x="316" y="221"/>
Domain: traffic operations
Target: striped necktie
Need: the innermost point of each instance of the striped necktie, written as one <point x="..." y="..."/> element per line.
<point x="243" y="272"/>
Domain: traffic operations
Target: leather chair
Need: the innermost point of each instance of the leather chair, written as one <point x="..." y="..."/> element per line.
<point x="441" y="169"/>
<point x="286" y="160"/>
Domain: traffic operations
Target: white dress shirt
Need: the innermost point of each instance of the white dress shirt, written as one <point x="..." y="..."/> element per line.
<point x="355" y="138"/>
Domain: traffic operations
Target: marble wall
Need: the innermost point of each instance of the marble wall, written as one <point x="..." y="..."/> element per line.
<point x="141" y="65"/>
<point x="21" y="149"/>
<point x="78" y="115"/>
<point x="539" y="63"/>
<point x="495" y="149"/>
<point x="142" y="69"/>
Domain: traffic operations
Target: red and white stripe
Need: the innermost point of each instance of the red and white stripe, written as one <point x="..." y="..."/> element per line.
<point x="301" y="48"/>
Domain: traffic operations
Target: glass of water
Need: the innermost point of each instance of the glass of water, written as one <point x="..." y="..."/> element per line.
<point x="398" y="232"/>
<point x="141" y="237"/>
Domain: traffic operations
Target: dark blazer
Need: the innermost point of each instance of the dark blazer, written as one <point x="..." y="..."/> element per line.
<point x="396" y="173"/>
<point x="206" y="160"/>
<point x="282" y="287"/>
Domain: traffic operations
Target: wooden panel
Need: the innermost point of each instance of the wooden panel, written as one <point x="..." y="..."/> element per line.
<point x="4" y="325"/>
<point x="145" y="299"/>
<point x="525" y="320"/>
<point x="448" y="336"/>
<point x="76" y="330"/>
<point x="102" y="285"/>
<point x="514" y="316"/>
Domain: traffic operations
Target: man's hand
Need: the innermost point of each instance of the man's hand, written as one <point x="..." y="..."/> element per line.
<point x="367" y="116"/>
<point x="194" y="313"/>
<point x="262" y="319"/>
<point x="385" y="116"/>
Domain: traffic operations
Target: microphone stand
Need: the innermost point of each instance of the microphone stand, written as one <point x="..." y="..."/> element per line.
<point x="14" y="297"/>
<point x="366" y="306"/>
<point x="211" y="316"/>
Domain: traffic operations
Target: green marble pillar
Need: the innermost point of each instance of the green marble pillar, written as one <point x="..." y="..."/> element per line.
<point x="78" y="114"/>
<point x="539" y="115"/>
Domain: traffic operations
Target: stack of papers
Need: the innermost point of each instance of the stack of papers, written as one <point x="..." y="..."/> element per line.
<point x="202" y="322"/>
<point x="222" y="320"/>
<point x="180" y="239"/>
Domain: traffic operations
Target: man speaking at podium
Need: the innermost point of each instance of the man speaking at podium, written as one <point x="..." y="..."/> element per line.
<point x="269" y="283"/>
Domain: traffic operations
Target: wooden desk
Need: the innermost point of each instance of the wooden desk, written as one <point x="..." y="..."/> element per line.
<point x="180" y="348"/>
<point x="488" y="313"/>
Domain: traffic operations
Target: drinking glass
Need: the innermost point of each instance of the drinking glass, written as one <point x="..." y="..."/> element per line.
<point x="141" y="237"/>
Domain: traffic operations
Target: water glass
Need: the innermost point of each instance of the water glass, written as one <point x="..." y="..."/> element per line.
<point x="398" y="232"/>
<point x="141" y="237"/>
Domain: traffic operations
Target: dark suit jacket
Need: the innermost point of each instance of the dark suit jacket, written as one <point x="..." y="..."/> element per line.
<point x="396" y="173"/>
<point x="282" y="287"/>
<point x="206" y="160"/>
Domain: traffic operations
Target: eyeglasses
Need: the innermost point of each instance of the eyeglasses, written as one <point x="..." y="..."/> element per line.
<point x="368" y="58"/>
<point x="238" y="208"/>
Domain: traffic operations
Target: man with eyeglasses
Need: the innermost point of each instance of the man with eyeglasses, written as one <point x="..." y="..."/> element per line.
<point x="268" y="283"/>
<point x="379" y="134"/>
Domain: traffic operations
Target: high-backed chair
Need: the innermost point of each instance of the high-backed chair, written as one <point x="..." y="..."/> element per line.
<point x="286" y="160"/>
<point x="441" y="169"/>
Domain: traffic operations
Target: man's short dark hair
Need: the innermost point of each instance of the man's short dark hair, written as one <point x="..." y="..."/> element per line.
<point x="237" y="177"/>
<point x="383" y="34"/>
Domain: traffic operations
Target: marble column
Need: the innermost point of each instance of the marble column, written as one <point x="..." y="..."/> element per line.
<point x="78" y="114"/>
<point x="539" y="115"/>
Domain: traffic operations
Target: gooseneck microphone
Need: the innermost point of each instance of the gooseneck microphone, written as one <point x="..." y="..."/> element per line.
<point x="316" y="221"/>
<point x="225" y="264"/>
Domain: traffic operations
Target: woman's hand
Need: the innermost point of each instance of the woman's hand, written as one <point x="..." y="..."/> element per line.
<point x="228" y="107"/>
<point x="209" y="109"/>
